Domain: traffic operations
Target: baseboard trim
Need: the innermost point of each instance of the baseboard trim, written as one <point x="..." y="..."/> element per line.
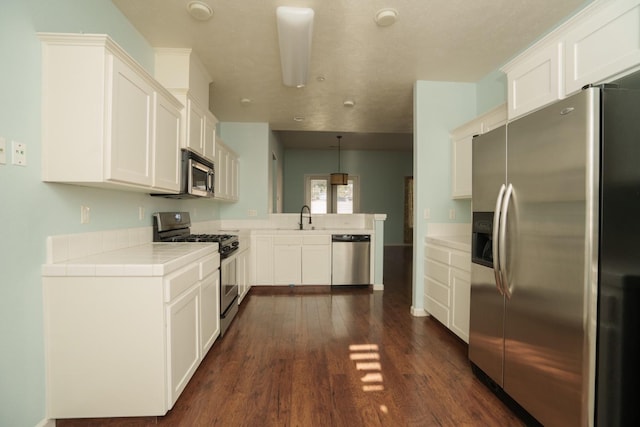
<point x="377" y="287"/>
<point x="418" y="312"/>
<point x="47" y="422"/>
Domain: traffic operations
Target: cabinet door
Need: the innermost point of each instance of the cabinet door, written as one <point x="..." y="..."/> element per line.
<point x="233" y="177"/>
<point x="195" y="127"/>
<point x="209" y="140"/>
<point x="129" y="150"/>
<point x="183" y="345"/>
<point x="264" y="260"/>
<point x="221" y="172"/>
<point x="209" y="311"/>
<point x="536" y="81"/>
<point x="461" y="142"/>
<point x="287" y="261"/>
<point x="316" y="265"/>
<point x="166" y="164"/>
<point x="242" y="274"/>
<point x="605" y="45"/>
<point x="461" y="295"/>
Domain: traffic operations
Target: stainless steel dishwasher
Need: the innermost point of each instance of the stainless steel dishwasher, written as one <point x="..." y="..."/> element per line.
<point x="350" y="259"/>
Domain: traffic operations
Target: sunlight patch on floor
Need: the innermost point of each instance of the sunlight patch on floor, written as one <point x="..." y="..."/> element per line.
<point x="362" y="354"/>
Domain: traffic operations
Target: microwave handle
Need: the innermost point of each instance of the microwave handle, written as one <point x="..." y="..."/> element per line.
<point x="210" y="179"/>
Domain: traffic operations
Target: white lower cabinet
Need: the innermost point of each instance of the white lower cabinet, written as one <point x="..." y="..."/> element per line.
<point x="316" y="260"/>
<point x="127" y="346"/>
<point x="264" y="260"/>
<point x="297" y="260"/>
<point x="183" y="345"/>
<point x="243" y="273"/>
<point x="287" y="260"/>
<point x="447" y="287"/>
<point x="209" y="303"/>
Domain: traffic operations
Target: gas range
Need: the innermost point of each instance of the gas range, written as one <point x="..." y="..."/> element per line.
<point x="175" y="227"/>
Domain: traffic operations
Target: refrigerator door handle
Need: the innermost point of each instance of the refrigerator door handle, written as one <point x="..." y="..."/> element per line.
<point x="502" y="241"/>
<point x="495" y="247"/>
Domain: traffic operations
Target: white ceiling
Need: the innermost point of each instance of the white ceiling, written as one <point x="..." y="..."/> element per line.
<point x="376" y="67"/>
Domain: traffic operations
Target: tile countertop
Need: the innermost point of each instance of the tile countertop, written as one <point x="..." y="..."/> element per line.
<point x="151" y="259"/>
<point x="306" y="231"/>
<point x="462" y="243"/>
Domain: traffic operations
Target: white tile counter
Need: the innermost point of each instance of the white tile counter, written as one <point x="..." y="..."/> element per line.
<point x="151" y="259"/>
<point x="460" y="242"/>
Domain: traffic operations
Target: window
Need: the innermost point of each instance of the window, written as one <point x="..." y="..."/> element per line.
<point x="324" y="198"/>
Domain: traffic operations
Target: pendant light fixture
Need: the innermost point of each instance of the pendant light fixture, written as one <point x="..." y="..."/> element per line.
<point x="339" y="178"/>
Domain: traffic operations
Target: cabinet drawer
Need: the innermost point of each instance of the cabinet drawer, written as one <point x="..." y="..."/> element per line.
<point x="209" y="265"/>
<point x="437" y="254"/>
<point x="461" y="260"/>
<point x="316" y="240"/>
<point x="287" y="240"/>
<point x="437" y="271"/>
<point x="437" y="291"/>
<point x="437" y="310"/>
<point x="180" y="281"/>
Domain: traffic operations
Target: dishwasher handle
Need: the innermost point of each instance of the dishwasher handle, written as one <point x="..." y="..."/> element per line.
<point x="350" y="238"/>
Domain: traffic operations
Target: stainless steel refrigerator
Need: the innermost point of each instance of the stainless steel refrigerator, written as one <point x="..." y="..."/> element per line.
<point x="555" y="267"/>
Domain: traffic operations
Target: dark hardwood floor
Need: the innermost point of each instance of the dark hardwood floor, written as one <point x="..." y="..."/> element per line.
<point x="321" y="357"/>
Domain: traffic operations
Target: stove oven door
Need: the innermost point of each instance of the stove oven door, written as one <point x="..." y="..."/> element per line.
<point x="228" y="292"/>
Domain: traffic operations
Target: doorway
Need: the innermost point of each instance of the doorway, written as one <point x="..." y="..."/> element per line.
<point x="408" y="210"/>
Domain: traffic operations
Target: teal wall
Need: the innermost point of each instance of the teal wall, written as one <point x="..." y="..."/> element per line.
<point x="381" y="181"/>
<point x="438" y="108"/>
<point x="250" y="141"/>
<point x="491" y="91"/>
<point x="32" y="210"/>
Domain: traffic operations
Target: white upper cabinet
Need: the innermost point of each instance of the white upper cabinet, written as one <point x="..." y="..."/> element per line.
<point x="183" y="74"/>
<point x="226" y="173"/>
<point x="461" y="148"/>
<point x="461" y="139"/>
<point x="167" y="145"/>
<point x="535" y="81"/>
<point x="128" y="152"/>
<point x="599" y="44"/>
<point x="105" y="121"/>
<point x="603" y="45"/>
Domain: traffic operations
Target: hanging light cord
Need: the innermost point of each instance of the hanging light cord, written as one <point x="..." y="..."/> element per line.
<point x="339" y="137"/>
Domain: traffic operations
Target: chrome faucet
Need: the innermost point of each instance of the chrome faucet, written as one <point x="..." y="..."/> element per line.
<point x="301" y="211"/>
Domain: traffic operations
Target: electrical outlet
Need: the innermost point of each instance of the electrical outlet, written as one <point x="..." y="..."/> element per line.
<point x="19" y="153"/>
<point x="452" y="213"/>
<point x="85" y="214"/>
<point x="252" y="212"/>
<point x="3" y="151"/>
<point x="427" y="213"/>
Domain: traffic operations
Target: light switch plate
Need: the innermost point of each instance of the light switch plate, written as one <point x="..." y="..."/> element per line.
<point x="3" y="151"/>
<point x="19" y="151"/>
<point x="85" y="214"/>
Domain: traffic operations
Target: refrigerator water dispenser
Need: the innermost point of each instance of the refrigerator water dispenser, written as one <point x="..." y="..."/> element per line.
<point x="481" y="239"/>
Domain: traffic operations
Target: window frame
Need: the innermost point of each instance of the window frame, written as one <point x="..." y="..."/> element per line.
<point x="332" y="199"/>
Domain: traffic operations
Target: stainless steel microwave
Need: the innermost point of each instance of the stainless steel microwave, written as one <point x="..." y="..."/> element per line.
<point x="196" y="177"/>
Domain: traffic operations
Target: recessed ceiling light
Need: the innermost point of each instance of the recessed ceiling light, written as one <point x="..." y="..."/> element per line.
<point x="245" y="101"/>
<point x="349" y="103"/>
<point x="199" y="10"/>
<point x="320" y="78"/>
<point x="298" y="118"/>
<point x="386" y="17"/>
